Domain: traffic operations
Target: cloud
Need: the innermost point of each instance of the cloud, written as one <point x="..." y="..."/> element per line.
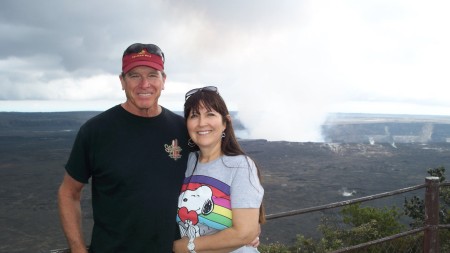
<point x="284" y="65"/>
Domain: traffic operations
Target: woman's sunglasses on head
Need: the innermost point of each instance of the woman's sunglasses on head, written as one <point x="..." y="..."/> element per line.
<point x="206" y="88"/>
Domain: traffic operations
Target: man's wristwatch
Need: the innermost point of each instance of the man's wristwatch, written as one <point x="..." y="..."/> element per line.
<point x="191" y="245"/>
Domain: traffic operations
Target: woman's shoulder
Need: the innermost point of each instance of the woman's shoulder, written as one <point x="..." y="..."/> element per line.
<point x="238" y="161"/>
<point x="193" y="155"/>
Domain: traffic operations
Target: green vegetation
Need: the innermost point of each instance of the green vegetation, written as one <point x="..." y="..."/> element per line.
<point x="355" y="224"/>
<point x="415" y="207"/>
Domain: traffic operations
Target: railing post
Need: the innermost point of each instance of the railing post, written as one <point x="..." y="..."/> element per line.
<point x="431" y="234"/>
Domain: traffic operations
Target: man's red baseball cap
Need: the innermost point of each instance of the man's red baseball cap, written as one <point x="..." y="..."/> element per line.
<point x="142" y="55"/>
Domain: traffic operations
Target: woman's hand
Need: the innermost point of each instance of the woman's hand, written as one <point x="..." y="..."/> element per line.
<point x="255" y="242"/>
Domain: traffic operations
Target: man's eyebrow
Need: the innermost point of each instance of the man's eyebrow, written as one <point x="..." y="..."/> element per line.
<point x="131" y="72"/>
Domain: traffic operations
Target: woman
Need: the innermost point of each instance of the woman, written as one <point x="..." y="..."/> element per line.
<point x="220" y="204"/>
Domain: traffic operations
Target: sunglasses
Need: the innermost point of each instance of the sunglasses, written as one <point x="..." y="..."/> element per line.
<point x="206" y="88"/>
<point x="150" y="48"/>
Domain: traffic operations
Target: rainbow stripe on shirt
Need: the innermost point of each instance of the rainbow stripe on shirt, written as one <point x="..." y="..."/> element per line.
<point x="221" y="216"/>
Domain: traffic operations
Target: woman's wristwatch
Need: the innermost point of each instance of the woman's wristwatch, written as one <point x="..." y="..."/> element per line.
<point x="191" y="245"/>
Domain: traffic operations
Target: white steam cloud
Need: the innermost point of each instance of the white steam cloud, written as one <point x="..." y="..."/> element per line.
<point x="283" y="65"/>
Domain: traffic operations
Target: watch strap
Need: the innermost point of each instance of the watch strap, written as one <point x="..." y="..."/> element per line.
<point x="191" y="245"/>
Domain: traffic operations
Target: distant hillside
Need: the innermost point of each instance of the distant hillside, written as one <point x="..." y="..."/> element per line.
<point x="34" y="147"/>
<point x="13" y="123"/>
<point x="26" y="123"/>
<point x="338" y="128"/>
<point x="369" y="128"/>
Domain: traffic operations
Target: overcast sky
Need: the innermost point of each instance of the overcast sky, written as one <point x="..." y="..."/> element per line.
<point x="282" y="64"/>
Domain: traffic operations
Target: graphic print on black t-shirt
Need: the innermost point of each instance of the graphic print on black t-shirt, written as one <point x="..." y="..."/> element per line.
<point x="174" y="150"/>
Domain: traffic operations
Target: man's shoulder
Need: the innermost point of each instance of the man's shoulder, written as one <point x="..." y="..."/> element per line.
<point x="173" y="117"/>
<point x="103" y="117"/>
<point x="170" y="113"/>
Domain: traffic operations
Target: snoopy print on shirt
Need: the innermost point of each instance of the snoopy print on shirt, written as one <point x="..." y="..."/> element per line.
<point x="204" y="206"/>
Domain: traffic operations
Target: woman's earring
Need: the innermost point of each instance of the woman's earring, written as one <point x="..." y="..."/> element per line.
<point x="223" y="134"/>
<point x="191" y="143"/>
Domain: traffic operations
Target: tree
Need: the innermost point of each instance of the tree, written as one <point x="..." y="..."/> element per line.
<point x="354" y="225"/>
<point x="415" y="208"/>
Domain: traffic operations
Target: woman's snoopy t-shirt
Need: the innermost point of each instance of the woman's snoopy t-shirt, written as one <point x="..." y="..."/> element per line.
<point x="210" y="190"/>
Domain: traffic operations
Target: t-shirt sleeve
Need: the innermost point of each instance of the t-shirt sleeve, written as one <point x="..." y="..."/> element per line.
<point x="246" y="189"/>
<point x="78" y="165"/>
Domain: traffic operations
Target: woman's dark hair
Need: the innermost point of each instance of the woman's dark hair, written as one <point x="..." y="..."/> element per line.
<point x="212" y="100"/>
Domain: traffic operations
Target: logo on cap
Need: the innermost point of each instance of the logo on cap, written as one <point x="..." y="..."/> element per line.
<point x="143" y="58"/>
<point x="143" y="53"/>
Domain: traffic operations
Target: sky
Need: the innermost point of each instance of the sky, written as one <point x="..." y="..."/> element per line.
<point x="283" y="65"/>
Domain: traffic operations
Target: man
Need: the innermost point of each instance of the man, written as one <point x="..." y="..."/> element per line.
<point x="135" y="155"/>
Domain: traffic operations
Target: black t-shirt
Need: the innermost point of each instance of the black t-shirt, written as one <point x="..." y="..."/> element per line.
<point x="136" y="166"/>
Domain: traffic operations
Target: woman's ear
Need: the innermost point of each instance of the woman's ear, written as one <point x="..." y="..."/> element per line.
<point x="227" y="120"/>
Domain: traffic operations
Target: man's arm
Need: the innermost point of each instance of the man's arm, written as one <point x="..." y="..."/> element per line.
<point x="69" y="196"/>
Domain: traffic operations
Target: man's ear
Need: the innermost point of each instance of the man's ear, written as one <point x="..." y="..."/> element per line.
<point x="164" y="82"/>
<point x="122" y="82"/>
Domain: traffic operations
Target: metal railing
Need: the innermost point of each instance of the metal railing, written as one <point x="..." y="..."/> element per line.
<point x="430" y="229"/>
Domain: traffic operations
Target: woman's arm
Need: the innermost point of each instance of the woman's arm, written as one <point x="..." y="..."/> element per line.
<point x="244" y="230"/>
